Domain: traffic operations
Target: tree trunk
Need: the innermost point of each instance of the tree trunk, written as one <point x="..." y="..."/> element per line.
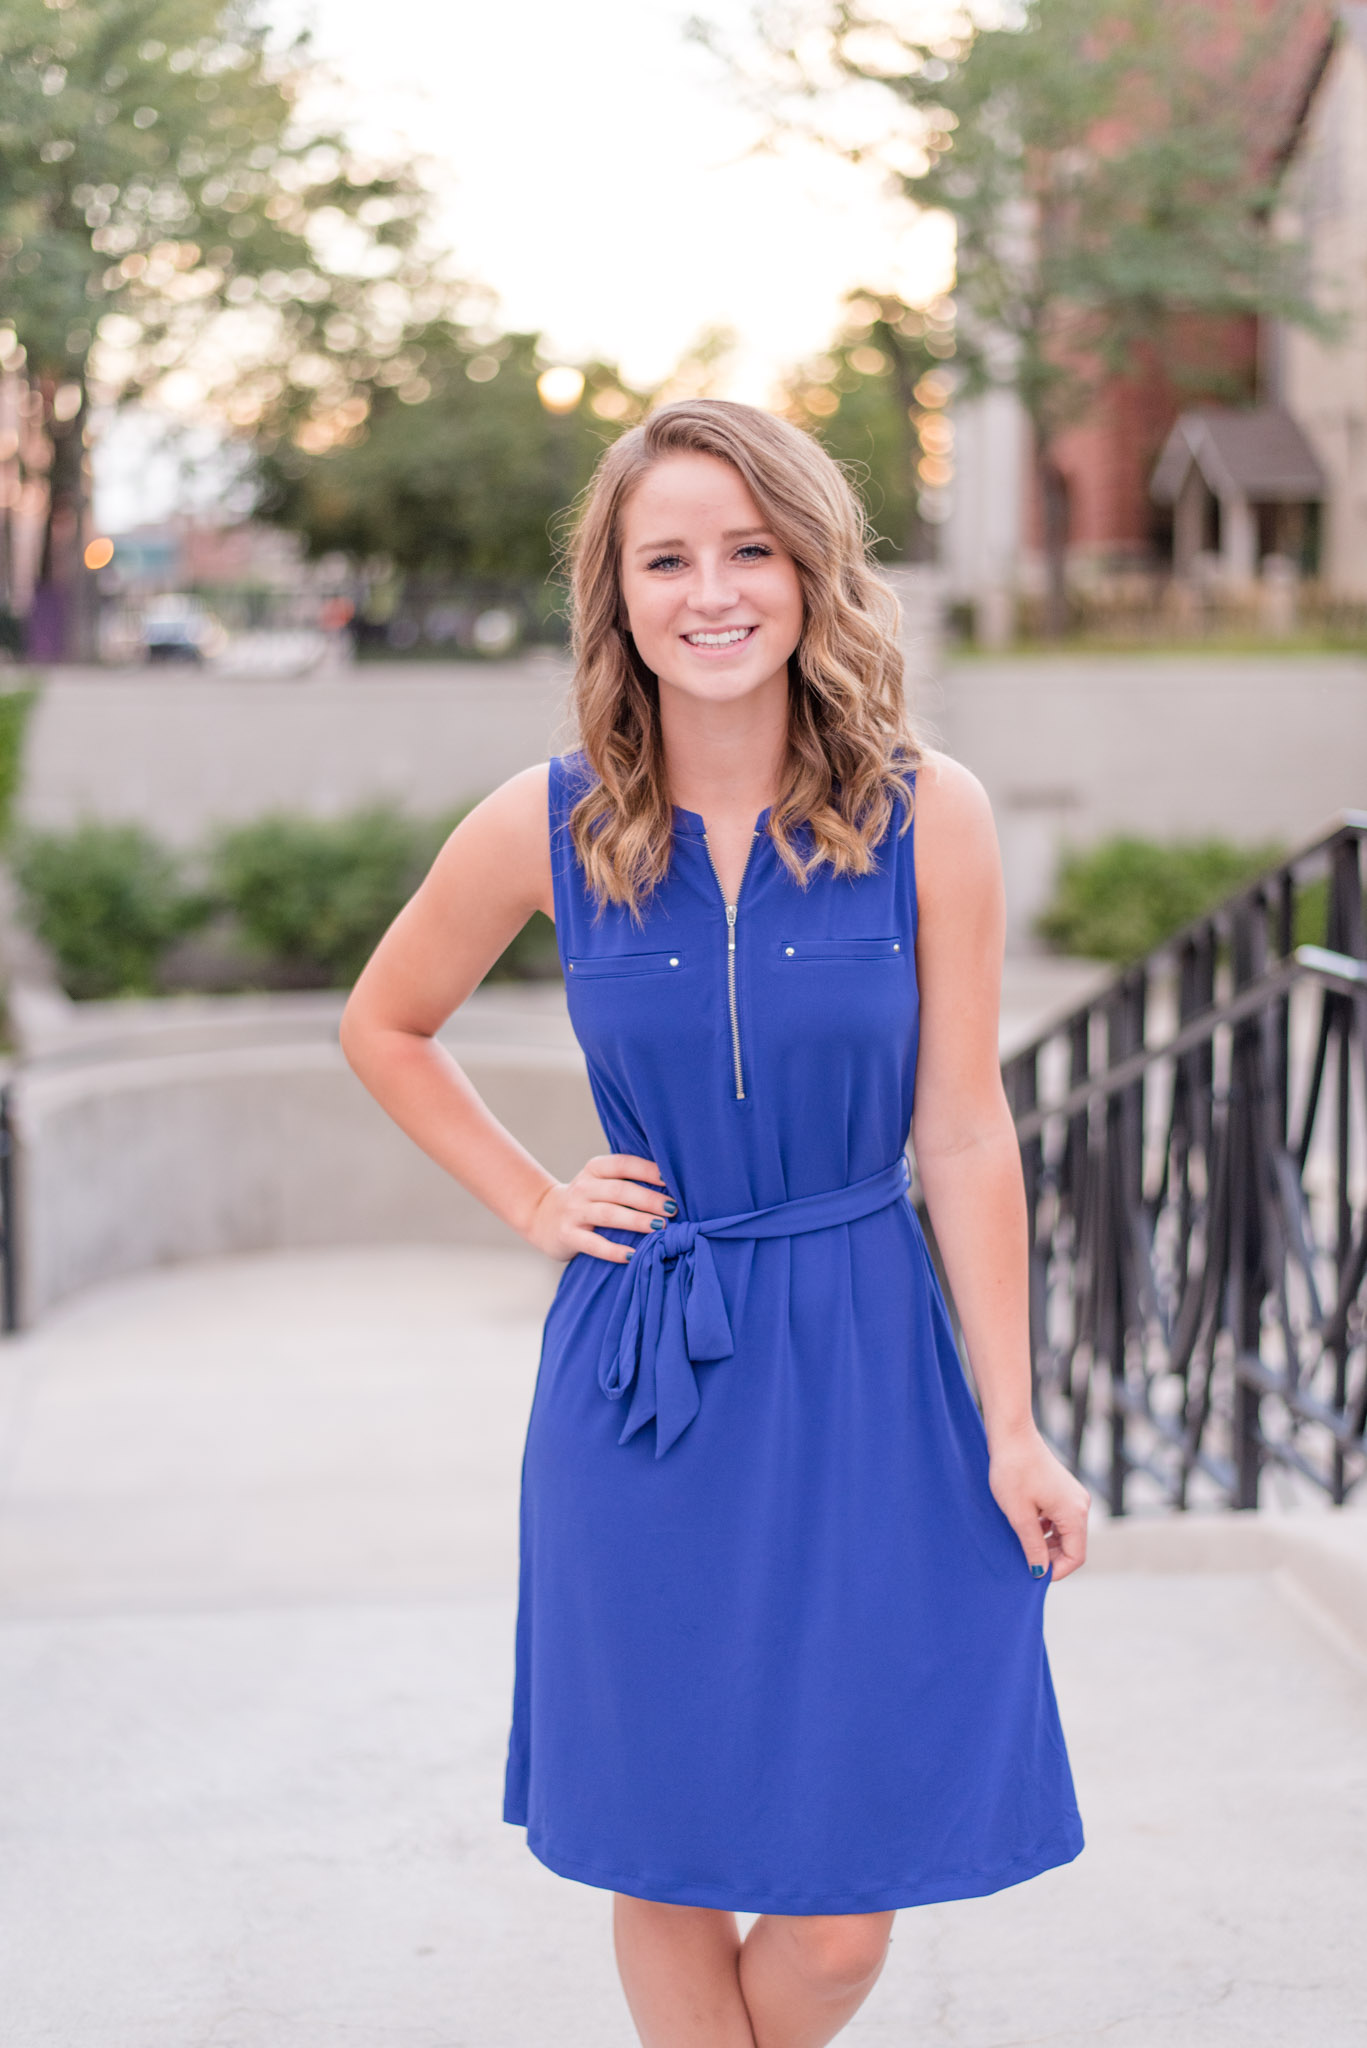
<point x="61" y="625"/>
<point x="1053" y="495"/>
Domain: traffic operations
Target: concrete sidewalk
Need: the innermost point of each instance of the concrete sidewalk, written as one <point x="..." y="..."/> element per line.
<point x="257" y="1553"/>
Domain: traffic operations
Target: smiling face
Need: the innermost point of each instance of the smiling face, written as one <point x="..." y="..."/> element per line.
<point x="712" y="597"/>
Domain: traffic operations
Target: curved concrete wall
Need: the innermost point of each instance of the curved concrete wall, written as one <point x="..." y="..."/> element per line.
<point x="143" y="1161"/>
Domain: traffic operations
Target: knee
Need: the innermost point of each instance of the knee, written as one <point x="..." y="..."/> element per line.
<point x="842" y="1952"/>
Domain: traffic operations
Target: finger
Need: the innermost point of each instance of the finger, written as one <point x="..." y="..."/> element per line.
<point x="614" y="1216"/>
<point x="626" y="1166"/>
<point x="628" y="1194"/>
<point x="1034" y="1543"/>
<point x="1068" y="1545"/>
<point x="596" y="1247"/>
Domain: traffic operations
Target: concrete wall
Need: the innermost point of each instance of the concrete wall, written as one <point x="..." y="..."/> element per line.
<point x="183" y="752"/>
<point x="1071" y="748"/>
<point x="142" y="1162"/>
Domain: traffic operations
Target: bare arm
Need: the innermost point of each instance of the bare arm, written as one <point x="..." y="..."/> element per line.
<point x="492" y="873"/>
<point x="967" y="1156"/>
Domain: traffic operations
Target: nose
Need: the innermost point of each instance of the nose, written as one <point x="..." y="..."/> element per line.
<point x="713" y="589"/>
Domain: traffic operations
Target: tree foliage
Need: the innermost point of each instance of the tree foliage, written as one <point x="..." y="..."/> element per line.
<point x="875" y="399"/>
<point x="460" y="472"/>
<point x="164" y="204"/>
<point x="1109" y="166"/>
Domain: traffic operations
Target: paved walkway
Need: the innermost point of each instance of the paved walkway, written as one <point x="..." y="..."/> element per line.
<point x="257" y="1545"/>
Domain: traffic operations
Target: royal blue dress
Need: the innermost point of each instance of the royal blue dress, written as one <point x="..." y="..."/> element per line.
<point x="778" y="1648"/>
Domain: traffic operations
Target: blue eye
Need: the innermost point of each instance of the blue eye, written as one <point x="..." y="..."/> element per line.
<point x="665" y="562"/>
<point x="754" y="547"/>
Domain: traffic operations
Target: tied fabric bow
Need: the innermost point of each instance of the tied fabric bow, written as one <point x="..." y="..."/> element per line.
<point x="671" y="1314"/>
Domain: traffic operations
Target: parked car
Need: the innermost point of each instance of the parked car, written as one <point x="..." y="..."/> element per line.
<point x="179" y="627"/>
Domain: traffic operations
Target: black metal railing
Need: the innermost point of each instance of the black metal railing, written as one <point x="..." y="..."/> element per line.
<point x="9" y="1273"/>
<point x="1195" y="1150"/>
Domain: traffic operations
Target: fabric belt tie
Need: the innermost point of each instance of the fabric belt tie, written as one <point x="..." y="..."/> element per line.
<point x="672" y="1314"/>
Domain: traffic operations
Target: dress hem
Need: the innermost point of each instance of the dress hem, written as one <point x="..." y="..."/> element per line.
<point x="1060" y="1847"/>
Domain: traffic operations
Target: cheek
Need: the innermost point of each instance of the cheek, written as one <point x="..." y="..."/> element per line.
<point x="786" y="606"/>
<point x="647" y="610"/>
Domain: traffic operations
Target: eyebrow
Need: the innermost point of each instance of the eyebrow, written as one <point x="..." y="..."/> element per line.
<point x="650" y="547"/>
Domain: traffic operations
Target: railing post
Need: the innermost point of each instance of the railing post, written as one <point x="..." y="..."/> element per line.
<point x="1213" y="1274"/>
<point x="1247" y="1175"/>
<point x="9" y="1265"/>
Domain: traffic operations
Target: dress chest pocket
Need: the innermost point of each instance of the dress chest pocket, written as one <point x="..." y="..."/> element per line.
<point x="618" y="966"/>
<point x="839" y="952"/>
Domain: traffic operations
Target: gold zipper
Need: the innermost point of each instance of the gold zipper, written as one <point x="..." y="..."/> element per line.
<point x="732" y="911"/>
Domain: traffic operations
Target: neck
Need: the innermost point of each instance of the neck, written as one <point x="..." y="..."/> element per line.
<point x="726" y="757"/>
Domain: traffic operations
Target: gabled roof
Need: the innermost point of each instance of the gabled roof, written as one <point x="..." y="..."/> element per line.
<point x="1260" y="454"/>
<point x="1348" y="23"/>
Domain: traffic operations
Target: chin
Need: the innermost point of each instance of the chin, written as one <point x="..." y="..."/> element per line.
<point x="720" y="688"/>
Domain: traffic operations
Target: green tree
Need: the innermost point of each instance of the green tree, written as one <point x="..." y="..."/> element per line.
<point x="1109" y="166"/>
<point x="875" y="399"/>
<point x="164" y="203"/>
<point x="457" y="469"/>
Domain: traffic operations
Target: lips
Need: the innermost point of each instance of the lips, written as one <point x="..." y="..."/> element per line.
<point x="721" y="637"/>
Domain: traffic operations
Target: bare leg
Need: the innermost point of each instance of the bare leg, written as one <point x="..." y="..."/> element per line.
<point x="804" y="1977"/>
<point x="679" y="1970"/>
<point x="690" y="1983"/>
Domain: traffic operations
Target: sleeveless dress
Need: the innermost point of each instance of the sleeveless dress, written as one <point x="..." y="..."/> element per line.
<point x="778" y="1649"/>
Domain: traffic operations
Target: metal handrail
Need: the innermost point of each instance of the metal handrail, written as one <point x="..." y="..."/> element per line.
<point x="1198" y="1202"/>
<point x="9" y="1268"/>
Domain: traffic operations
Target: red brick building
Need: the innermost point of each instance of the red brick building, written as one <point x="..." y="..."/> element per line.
<point x="1107" y="460"/>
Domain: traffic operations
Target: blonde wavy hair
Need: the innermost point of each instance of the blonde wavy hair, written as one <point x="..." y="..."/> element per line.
<point x="851" y="748"/>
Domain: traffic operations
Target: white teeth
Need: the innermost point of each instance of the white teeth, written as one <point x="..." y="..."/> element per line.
<point x="726" y="639"/>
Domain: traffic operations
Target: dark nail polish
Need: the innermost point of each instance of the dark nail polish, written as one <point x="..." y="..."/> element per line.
<point x="657" y="1223"/>
<point x="1037" y="1571"/>
<point x="671" y="1208"/>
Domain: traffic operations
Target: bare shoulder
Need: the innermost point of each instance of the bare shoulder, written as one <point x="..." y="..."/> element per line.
<point x="953" y="817"/>
<point x="504" y="843"/>
<point x="516" y="808"/>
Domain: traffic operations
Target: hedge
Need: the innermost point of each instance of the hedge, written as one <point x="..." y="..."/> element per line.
<point x="1119" y="899"/>
<point x="301" y="901"/>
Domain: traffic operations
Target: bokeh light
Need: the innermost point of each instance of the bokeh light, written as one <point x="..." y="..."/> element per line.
<point x="561" y="388"/>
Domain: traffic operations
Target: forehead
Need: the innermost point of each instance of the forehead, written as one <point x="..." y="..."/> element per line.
<point x="687" y="493"/>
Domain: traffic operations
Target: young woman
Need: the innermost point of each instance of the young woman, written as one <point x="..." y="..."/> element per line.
<point x="779" y="1644"/>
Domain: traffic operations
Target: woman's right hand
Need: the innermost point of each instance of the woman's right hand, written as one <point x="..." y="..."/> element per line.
<point x="605" y="1191"/>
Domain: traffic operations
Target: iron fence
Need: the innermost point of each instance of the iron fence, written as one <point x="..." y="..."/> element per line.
<point x="1195" y="1150"/>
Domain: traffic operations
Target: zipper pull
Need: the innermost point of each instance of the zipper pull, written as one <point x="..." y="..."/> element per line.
<point x="731" y="917"/>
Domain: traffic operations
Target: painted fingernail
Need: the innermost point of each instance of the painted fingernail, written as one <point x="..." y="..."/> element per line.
<point x="657" y="1223"/>
<point x="1037" y="1571"/>
<point x="671" y="1208"/>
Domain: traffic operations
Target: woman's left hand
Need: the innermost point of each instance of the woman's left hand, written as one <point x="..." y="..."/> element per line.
<point x="1044" y="1503"/>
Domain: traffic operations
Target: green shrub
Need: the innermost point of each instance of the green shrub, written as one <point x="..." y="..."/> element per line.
<point x="1121" y="898"/>
<point x="303" y="900"/>
<point x="109" y="902"/>
<point x="15" y="706"/>
<point x="318" y="893"/>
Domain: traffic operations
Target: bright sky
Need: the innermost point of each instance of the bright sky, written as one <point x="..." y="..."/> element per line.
<point x="595" y="169"/>
<point x="597" y="174"/>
